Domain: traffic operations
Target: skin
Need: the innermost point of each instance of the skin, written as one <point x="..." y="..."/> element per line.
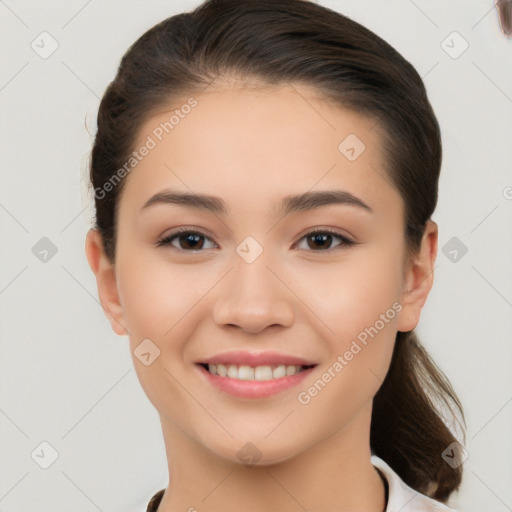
<point x="251" y="147"/>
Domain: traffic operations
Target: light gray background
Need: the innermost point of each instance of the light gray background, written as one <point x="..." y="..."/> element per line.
<point x="67" y="379"/>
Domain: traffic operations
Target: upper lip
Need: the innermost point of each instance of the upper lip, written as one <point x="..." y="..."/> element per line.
<point x="241" y="357"/>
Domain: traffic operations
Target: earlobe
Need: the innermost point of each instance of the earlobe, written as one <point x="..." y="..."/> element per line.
<point x="418" y="279"/>
<point x="105" y="274"/>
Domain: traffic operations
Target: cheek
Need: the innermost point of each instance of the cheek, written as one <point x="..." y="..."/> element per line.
<point x="351" y="295"/>
<point x="359" y="302"/>
<point x="155" y="294"/>
<point x="346" y="295"/>
<point x="358" y="299"/>
<point x="158" y="300"/>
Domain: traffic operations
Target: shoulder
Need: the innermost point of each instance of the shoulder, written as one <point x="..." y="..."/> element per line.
<point x="403" y="498"/>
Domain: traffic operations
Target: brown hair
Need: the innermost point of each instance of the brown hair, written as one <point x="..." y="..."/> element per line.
<point x="289" y="41"/>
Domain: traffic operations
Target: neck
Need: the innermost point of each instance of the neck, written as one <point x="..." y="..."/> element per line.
<point x="334" y="474"/>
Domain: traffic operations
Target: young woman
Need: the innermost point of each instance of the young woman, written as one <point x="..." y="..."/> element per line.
<point x="264" y="174"/>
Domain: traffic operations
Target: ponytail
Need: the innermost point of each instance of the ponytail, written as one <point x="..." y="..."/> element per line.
<point x="407" y="429"/>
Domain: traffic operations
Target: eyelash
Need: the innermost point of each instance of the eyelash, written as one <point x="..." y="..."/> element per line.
<point x="182" y="231"/>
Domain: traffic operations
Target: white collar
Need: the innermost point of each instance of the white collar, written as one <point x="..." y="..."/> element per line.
<point x="401" y="497"/>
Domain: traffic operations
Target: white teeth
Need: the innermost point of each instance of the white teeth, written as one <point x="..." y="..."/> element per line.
<point x="246" y="373"/>
<point x="279" y="372"/>
<point x="260" y="373"/>
<point x="291" y="370"/>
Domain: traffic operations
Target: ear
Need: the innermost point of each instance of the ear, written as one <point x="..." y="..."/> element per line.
<point x="418" y="279"/>
<point x="105" y="274"/>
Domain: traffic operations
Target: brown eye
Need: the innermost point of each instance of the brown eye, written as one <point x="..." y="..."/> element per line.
<point x="322" y="240"/>
<point x="188" y="240"/>
<point x="192" y="240"/>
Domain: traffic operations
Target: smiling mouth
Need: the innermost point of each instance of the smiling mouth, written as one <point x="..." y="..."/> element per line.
<point x="257" y="373"/>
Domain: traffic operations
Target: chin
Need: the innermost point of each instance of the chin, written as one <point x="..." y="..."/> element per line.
<point x="258" y="452"/>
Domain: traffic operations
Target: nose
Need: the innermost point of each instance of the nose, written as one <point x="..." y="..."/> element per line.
<point x="254" y="296"/>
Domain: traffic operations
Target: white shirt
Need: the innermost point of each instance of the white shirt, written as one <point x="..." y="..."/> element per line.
<point x="402" y="498"/>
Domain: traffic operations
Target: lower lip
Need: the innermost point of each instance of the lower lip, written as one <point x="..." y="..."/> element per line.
<point x="254" y="388"/>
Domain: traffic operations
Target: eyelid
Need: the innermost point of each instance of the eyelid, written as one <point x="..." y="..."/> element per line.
<point x="324" y="229"/>
<point x="175" y="233"/>
<point x="346" y="240"/>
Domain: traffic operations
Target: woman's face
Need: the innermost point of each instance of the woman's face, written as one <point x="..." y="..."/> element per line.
<point x="282" y="163"/>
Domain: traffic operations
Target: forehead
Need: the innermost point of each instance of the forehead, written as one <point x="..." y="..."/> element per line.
<point x="242" y="143"/>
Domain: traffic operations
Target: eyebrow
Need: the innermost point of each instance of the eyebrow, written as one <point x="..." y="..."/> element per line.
<point x="289" y="204"/>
